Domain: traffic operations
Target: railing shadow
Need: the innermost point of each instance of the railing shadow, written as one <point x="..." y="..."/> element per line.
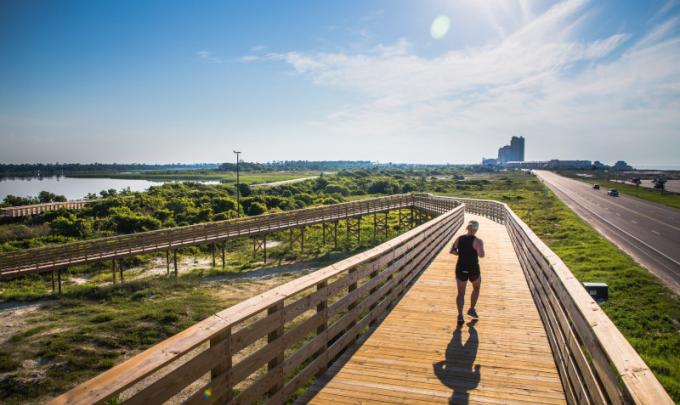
<point x="458" y="371"/>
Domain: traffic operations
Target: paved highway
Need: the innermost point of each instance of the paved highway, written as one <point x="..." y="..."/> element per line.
<point x="647" y="231"/>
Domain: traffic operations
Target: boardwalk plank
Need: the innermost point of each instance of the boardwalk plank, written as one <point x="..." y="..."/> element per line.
<point x="419" y="355"/>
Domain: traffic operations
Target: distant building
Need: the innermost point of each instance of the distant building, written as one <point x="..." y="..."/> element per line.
<point x="622" y="166"/>
<point x="513" y="152"/>
<point x="491" y="162"/>
<point x="550" y="164"/>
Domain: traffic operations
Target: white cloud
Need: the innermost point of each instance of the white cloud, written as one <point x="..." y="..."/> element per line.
<point x="207" y="56"/>
<point x="541" y="80"/>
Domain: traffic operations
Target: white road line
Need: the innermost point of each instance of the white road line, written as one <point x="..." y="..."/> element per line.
<point x="584" y="207"/>
<point x="633" y="221"/>
<point x="655" y="232"/>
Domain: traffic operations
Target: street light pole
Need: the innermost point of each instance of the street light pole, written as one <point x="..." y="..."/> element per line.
<point x="238" y="187"/>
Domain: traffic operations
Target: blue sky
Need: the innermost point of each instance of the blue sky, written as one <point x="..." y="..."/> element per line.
<point x="179" y="81"/>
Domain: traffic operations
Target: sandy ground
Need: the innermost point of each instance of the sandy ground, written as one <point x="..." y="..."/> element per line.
<point x="15" y="317"/>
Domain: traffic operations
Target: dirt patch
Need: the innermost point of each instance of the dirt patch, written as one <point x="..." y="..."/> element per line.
<point x="15" y="317"/>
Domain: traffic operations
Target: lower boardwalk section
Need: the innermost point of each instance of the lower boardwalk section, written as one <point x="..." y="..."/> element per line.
<point x="419" y="355"/>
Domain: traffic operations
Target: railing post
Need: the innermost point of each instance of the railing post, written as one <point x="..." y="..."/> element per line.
<point x="212" y="251"/>
<point x="278" y="360"/>
<point x="220" y="374"/>
<point x="167" y="262"/>
<point x="322" y="308"/>
<point x="373" y="275"/>
<point x="113" y="271"/>
<point x="120" y="270"/>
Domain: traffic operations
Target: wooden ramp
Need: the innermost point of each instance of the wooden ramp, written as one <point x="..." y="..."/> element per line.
<point x="418" y="355"/>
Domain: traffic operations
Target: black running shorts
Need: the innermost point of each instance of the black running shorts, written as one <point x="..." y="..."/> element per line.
<point x="465" y="275"/>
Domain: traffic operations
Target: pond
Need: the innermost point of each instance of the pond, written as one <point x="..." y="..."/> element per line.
<point x="71" y="187"/>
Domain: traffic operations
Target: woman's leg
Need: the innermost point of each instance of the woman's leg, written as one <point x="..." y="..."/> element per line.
<point x="476" y="286"/>
<point x="460" y="299"/>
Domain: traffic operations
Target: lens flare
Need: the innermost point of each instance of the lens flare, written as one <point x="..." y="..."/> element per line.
<point x="440" y="26"/>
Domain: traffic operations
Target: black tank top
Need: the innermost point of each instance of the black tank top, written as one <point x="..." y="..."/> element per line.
<point x="467" y="255"/>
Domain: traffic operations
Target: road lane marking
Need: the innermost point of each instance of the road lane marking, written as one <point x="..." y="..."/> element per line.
<point x="633" y="221"/>
<point x="561" y="181"/>
<point x="655" y="232"/>
<point x="601" y="218"/>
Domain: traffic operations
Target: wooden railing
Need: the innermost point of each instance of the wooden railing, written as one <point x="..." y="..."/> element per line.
<point x="13" y="264"/>
<point x="24" y="210"/>
<point x="596" y="363"/>
<point x="269" y="346"/>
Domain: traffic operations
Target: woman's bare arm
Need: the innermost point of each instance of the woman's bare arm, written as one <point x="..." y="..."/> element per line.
<point x="454" y="248"/>
<point x="479" y="247"/>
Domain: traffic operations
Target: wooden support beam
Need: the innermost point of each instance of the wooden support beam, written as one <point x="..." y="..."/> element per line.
<point x="375" y="225"/>
<point x="212" y="251"/>
<point x="59" y="280"/>
<point x="174" y="259"/>
<point x="121" y="266"/>
<point x="335" y="235"/>
<point x="353" y="229"/>
<point x="302" y="239"/>
<point x="224" y="259"/>
<point x="323" y="233"/>
<point x="113" y="271"/>
<point x="260" y="245"/>
<point x="53" y="286"/>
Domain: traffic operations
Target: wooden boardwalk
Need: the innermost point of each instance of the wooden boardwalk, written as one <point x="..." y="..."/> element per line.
<point x="418" y="355"/>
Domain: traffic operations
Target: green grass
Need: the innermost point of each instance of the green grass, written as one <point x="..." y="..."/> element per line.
<point x="667" y="198"/>
<point x="645" y="311"/>
<point x="91" y="327"/>
<point x="203" y="175"/>
<point x="87" y="331"/>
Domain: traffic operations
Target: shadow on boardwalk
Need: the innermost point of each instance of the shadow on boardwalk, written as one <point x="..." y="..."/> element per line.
<point x="458" y="371"/>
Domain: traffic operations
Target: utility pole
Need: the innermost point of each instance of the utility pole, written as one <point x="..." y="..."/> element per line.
<point x="238" y="187"/>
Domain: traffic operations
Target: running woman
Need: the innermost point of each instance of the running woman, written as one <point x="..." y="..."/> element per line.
<point x="469" y="249"/>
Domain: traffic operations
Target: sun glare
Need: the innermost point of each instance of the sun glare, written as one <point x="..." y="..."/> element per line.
<point x="440" y="26"/>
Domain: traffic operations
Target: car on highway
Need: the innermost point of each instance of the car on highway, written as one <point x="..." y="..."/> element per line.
<point x="596" y="186"/>
<point x="613" y="192"/>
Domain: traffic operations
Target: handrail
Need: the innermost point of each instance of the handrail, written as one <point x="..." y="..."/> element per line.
<point x="307" y="323"/>
<point x="53" y="257"/>
<point x="596" y="363"/>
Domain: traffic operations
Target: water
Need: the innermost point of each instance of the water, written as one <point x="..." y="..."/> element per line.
<point x="70" y="187"/>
